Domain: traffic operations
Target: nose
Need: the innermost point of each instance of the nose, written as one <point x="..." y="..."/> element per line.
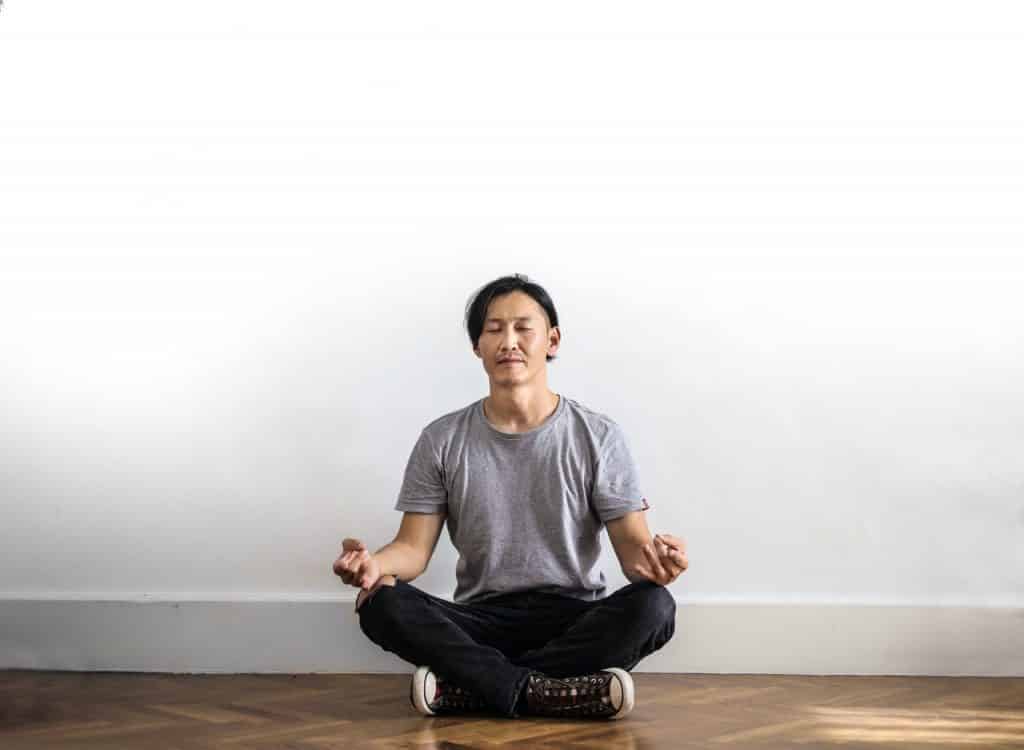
<point x="508" y="343"/>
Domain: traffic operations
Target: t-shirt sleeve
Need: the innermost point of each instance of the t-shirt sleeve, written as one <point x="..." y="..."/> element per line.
<point x="616" y="479"/>
<point x="423" y="489"/>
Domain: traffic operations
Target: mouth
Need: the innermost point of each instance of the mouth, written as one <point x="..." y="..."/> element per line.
<point x="511" y="362"/>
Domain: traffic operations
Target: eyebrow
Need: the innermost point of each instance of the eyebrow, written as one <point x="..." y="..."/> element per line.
<point x="498" y="320"/>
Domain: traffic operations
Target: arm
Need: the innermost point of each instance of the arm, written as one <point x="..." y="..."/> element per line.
<point x="660" y="560"/>
<point x="629" y="534"/>
<point x="410" y="552"/>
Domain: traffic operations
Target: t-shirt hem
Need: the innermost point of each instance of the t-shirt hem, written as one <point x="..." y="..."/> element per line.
<point x="617" y="511"/>
<point x="421" y="507"/>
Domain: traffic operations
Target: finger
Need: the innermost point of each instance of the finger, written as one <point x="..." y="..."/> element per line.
<point x="352" y="544"/>
<point x="359" y="564"/>
<point x="669" y="563"/>
<point x="357" y="568"/>
<point x="644" y="571"/>
<point x="654" y="562"/>
<point x="673" y="541"/>
<point x="674" y="569"/>
<point x="680" y="559"/>
<point x="671" y="566"/>
<point x="654" y="555"/>
<point x="664" y="550"/>
<point x="661" y="547"/>
<point x="341" y="563"/>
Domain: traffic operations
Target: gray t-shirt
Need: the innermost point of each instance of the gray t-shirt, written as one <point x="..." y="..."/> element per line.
<point x="525" y="510"/>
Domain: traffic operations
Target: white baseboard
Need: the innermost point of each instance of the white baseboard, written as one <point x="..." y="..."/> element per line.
<point x="323" y="635"/>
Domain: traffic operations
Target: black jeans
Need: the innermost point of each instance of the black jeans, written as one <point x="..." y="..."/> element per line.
<point x="490" y="647"/>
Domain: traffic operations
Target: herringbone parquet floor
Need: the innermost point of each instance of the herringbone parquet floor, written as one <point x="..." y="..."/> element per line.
<point x="127" y="710"/>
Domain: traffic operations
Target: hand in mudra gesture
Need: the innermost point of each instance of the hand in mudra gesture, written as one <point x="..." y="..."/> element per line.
<point x="356" y="566"/>
<point x="665" y="559"/>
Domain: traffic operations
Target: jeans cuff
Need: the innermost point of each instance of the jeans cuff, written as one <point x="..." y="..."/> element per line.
<point x="517" y="692"/>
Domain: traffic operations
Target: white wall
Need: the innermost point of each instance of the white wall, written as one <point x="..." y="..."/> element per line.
<point x="785" y="241"/>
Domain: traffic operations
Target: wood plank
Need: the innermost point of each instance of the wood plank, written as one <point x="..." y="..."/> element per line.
<point x="678" y="711"/>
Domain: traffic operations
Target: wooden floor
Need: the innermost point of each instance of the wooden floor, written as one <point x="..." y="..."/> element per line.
<point x="128" y="710"/>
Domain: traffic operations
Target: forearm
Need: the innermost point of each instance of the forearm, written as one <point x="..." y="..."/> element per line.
<point x="632" y="557"/>
<point x="400" y="560"/>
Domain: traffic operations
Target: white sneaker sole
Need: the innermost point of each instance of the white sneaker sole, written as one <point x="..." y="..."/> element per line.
<point x="423" y="684"/>
<point x="628" y="691"/>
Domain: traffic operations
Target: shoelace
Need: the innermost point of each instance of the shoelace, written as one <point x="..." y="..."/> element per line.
<point x="581" y="685"/>
<point x="587" y="694"/>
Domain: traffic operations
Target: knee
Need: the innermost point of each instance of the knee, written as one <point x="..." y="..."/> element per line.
<point x="376" y="606"/>
<point x="365" y="594"/>
<point x="656" y="605"/>
<point x="664" y="606"/>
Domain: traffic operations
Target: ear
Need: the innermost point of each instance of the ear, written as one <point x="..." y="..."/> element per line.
<point x="554" y="341"/>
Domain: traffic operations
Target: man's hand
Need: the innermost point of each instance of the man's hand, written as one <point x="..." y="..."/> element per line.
<point x="356" y="566"/>
<point x="666" y="559"/>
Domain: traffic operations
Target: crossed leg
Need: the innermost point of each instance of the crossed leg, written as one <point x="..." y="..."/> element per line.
<point x="365" y="594"/>
<point x="617" y="631"/>
<point x="450" y="638"/>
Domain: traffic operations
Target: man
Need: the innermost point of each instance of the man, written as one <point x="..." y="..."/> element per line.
<point x="525" y="479"/>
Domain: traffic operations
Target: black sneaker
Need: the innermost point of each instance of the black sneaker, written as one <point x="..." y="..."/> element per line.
<point x="608" y="693"/>
<point x="431" y="694"/>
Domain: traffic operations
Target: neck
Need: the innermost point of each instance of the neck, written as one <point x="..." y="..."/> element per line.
<point x="518" y="410"/>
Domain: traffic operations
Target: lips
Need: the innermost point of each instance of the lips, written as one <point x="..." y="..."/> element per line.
<point x="508" y="361"/>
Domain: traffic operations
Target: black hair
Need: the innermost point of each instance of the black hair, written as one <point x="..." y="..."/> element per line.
<point x="476" y="310"/>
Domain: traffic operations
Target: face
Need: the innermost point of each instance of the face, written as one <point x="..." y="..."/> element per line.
<point x="516" y="326"/>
